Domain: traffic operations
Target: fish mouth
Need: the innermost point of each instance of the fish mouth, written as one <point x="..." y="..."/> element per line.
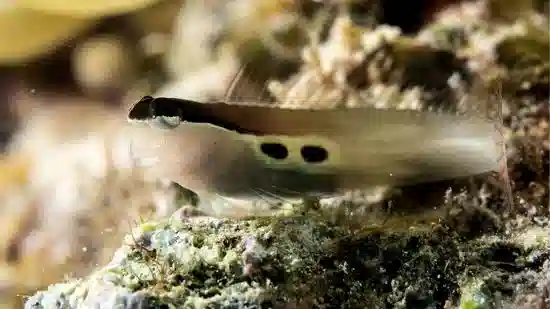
<point x="141" y="111"/>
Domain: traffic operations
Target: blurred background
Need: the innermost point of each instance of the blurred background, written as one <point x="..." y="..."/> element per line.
<point x="69" y="71"/>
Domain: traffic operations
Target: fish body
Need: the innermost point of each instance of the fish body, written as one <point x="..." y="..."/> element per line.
<point x="246" y="151"/>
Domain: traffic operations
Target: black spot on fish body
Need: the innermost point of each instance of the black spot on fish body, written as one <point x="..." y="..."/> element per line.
<point x="276" y="151"/>
<point x="314" y="154"/>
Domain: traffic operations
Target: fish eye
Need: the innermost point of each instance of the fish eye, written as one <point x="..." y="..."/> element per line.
<point x="165" y="122"/>
<point x="276" y="151"/>
<point x="314" y="154"/>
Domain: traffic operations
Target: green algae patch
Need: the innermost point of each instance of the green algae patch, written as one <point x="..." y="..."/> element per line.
<point x="475" y="295"/>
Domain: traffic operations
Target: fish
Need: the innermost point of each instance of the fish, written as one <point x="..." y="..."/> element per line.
<point x="236" y="156"/>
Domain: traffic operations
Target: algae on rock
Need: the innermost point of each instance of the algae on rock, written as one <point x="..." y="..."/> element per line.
<point x="204" y="262"/>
